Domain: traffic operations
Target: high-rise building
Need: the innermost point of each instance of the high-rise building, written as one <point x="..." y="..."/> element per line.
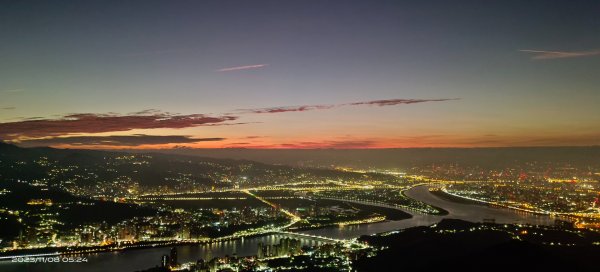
<point x="184" y="232"/>
<point x="285" y="246"/>
<point x="295" y="247"/>
<point x="276" y="251"/>
<point x="269" y="251"/>
<point x="261" y="251"/>
<point x="164" y="261"/>
<point x="173" y="257"/>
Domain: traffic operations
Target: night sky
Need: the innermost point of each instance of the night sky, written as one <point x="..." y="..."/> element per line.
<point x="299" y="74"/>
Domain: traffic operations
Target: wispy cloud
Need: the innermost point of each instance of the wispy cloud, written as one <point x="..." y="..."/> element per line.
<point x="99" y="123"/>
<point x="288" y="109"/>
<point x="117" y="140"/>
<point x="230" y="124"/>
<point x="8" y="108"/>
<point x="326" y="144"/>
<point x="379" y="103"/>
<point x="67" y="129"/>
<point x="245" y="67"/>
<point x="394" y="102"/>
<point x="335" y="144"/>
<point x="543" y="55"/>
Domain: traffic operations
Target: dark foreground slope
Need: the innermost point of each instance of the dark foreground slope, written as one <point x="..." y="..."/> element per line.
<point x="454" y="245"/>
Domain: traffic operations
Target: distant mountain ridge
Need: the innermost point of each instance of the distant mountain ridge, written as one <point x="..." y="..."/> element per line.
<point x="402" y="157"/>
<point x="73" y="167"/>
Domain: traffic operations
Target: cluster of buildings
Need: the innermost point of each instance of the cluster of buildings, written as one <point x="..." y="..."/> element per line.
<point x="547" y="196"/>
<point x="286" y="247"/>
<point x="126" y="176"/>
<point x="287" y="255"/>
<point x="508" y="171"/>
<point x="169" y="261"/>
<point x="44" y="228"/>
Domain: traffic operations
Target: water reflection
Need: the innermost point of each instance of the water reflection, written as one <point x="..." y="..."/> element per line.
<point x="147" y="258"/>
<point x="468" y="212"/>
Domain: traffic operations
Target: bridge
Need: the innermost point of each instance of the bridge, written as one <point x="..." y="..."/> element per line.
<point x="314" y="237"/>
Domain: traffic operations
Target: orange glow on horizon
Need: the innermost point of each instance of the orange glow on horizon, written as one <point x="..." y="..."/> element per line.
<point x="266" y="143"/>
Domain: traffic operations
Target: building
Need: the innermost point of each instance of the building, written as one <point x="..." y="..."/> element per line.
<point x="173" y="257"/>
<point x="261" y="251"/>
<point x="286" y="246"/>
<point x="164" y="261"/>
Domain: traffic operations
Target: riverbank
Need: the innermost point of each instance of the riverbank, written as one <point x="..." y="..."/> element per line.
<point x="132" y="260"/>
<point x="140" y="259"/>
<point x="457" y="199"/>
<point x="69" y="251"/>
<point x="472" y="201"/>
<point x="390" y="213"/>
<point x="121" y="247"/>
<point x="438" y="210"/>
<point x="479" y="212"/>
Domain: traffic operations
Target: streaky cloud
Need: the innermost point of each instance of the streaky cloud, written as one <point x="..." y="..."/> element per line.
<point x="100" y="123"/>
<point x="326" y="144"/>
<point x="334" y="144"/>
<point x="287" y="109"/>
<point x="245" y="67"/>
<point x="393" y="102"/>
<point x="380" y="103"/>
<point x="230" y="124"/>
<point x="544" y="55"/>
<point x="115" y="140"/>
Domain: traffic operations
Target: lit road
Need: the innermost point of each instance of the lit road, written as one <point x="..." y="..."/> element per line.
<point x="294" y="217"/>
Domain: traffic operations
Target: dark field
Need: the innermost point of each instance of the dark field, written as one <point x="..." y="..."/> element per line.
<point x="390" y="214"/>
<point x="213" y="204"/>
<point x="456" y="199"/>
<point x="293" y="203"/>
<point x="276" y="193"/>
<point x="208" y="200"/>
<point x="365" y="210"/>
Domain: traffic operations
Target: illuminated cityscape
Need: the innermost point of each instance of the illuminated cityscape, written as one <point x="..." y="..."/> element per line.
<point x="241" y="200"/>
<point x="271" y="136"/>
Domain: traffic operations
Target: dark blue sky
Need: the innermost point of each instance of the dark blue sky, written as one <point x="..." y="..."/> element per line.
<point x="63" y="57"/>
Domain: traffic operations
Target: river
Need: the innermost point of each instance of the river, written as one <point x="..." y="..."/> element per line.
<point x="132" y="260"/>
<point x="468" y="212"/>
